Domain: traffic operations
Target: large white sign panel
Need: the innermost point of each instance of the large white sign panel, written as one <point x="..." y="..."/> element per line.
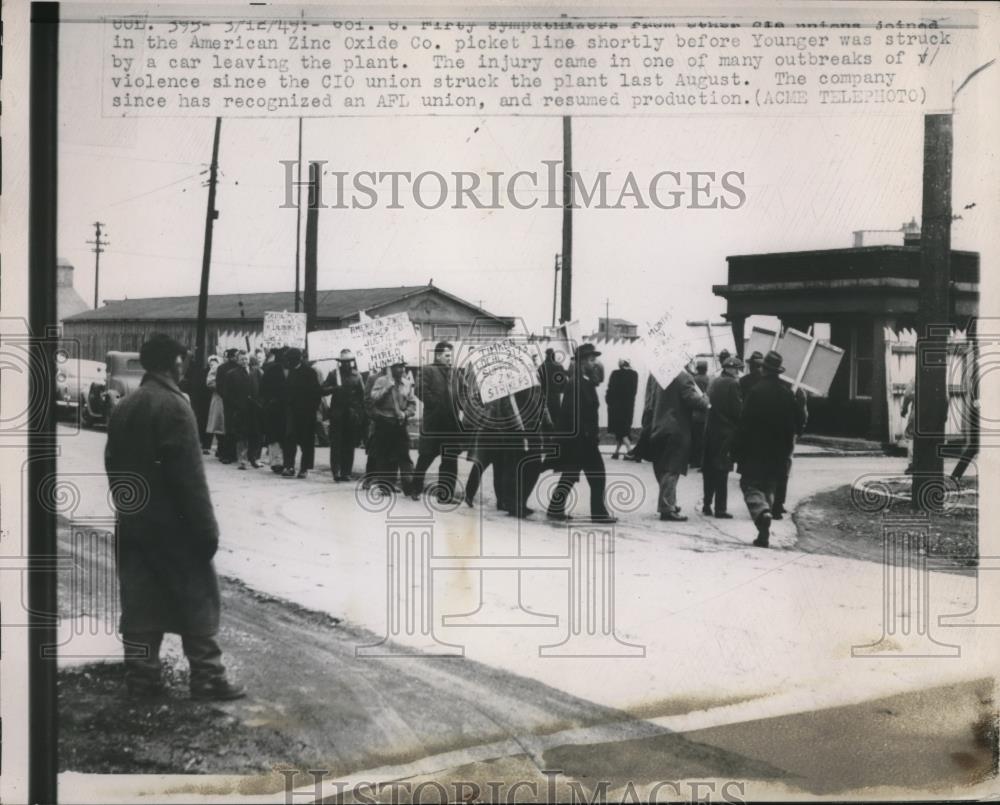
<point x="284" y="329"/>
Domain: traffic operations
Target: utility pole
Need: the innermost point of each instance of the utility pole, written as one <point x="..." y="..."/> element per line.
<point x="567" y="226"/>
<point x="298" y="216"/>
<point x="98" y="245"/>
<point x="607" y="318"/>
<point x="312" y="244"/>
<point x="206" y="256"/>
<point x="935" y="311"/>
<point x="555" y="290"/>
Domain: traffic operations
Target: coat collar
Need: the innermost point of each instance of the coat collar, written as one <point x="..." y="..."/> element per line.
<point x="167" y="382"/>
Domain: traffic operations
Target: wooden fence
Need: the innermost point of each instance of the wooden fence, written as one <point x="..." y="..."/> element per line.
<point x="901" y="366"/>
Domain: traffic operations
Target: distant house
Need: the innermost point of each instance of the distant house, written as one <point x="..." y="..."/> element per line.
<point x="125" y="324"/>
<point x="616" y="328"/>
<point x="68" y="301"/>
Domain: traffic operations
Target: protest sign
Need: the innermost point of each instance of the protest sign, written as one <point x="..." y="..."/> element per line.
<point x="761" y="340"/>
<point x="665" y="343"/>
<point x="810" y="364"/>
<point x="325" y="345"/>
<point x="284" y="329"/>
<point x="384" y="341"/>
<point x="501" y="368"/>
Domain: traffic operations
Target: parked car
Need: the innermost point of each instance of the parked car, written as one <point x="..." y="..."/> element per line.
<point x="123" y="373"/>
<point x="73" y="380"/>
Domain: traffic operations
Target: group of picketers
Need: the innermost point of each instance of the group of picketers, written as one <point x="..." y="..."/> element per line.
<point x="748" y="420"/>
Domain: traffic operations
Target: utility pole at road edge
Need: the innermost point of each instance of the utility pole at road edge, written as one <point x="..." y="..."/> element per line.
<point x="206" y="258"/>
<point x="97" y="250"/>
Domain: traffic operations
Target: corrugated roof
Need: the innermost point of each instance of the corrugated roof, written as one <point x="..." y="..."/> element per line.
<point x="334" y="304"/>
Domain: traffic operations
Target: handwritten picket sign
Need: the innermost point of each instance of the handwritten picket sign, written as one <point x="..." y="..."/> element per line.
<point x="666" y="344"/>
<point x="284" y="329"/>
<point x="385" y="340"/>
<point x="501" y="368"/>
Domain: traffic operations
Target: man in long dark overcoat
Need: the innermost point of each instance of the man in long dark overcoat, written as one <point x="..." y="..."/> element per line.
<point x="227" y="444"/>
<point x="579" y="448"/>
<point x="440" y="430"/>
<point x="273" y="403"/>
<point x="723" y="418"/>
<point x="670" y="437"/>
<point x="167" y="533"/>
<point x="239" y="398"/>
<point x="302" y="397"/>
<point x="764" y="442"/>
<point x="346" y="415"/>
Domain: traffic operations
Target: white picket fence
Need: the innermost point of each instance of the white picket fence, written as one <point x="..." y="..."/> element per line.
<point x="901" y="365"/>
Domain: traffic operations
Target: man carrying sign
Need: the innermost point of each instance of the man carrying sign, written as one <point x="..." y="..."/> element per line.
<point x="671" y="411"/>
<point x="440" y="431"/>
<point x="393" y="406"/>
<point x="580" y="452"/>
<point x="764" y="442"/>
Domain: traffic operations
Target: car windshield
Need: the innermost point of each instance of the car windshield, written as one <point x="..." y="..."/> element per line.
<point x="133" y="365"/>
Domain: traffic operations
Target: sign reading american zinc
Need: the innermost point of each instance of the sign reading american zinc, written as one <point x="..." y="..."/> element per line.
<point x="384" y="341"/>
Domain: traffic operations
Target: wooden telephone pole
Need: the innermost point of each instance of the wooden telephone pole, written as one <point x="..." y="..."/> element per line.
<point x="206" y="256"/>
<point x="566" y="313"/>
<point x="312" y="244"/>
<point x="98" y="244"/>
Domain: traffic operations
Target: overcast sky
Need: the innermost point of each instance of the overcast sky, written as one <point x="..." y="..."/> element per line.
<point x="809" y="182"/>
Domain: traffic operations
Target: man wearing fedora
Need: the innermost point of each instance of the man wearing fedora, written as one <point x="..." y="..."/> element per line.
<point x="346" y="414"/>
<point x="579" y="451"/>
<point x="671" y="410"/>
<point x="753" y="375"/>
<point x="764" y="442"/>
<point x="726" y="406"/>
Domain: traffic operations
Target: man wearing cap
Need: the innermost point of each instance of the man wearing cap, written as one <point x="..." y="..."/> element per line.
<point x="723" y="417"/>
<point x="167" y="533"/>
<point x="764" y="442"/>
<point x="753" y="375"/>
<point x="393" y="405"/>
<point x="671" y="412"/>
<point x="580" y="451"/>
<point x="440" y="430"/>
<point x="346" y="415"/>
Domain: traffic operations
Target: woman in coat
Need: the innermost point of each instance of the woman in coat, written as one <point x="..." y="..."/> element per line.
<point x="215" y="423"/>
<point x="620" y="397"/>
<point x="724" y="416"/>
